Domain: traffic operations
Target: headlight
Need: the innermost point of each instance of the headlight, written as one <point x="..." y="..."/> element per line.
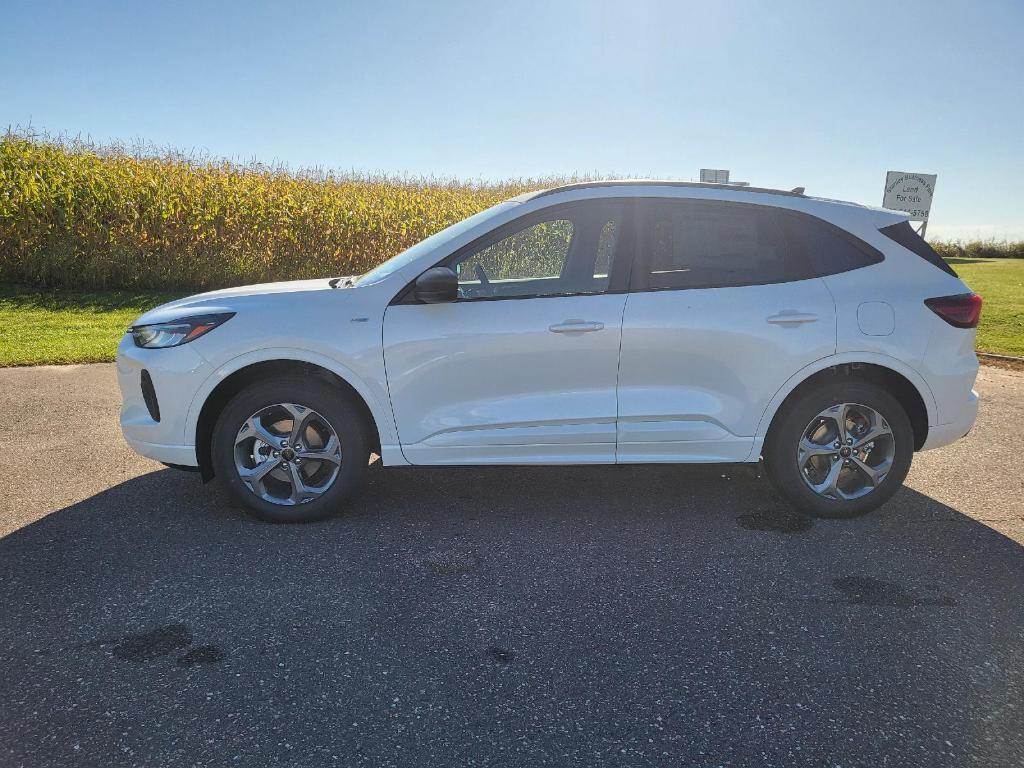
<point x="176" y="332"/>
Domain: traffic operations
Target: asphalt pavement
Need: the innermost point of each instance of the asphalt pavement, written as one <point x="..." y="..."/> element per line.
<point x="601" y="616"/>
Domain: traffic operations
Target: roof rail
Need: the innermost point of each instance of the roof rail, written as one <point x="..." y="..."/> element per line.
<point x="798" y="192"/>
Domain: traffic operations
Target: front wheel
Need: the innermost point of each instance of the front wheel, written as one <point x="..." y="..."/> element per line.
<point x="291" y="450"/>
<point x="839" y="449"/>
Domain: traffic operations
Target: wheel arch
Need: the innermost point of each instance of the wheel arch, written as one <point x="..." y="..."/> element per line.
<point x="239" y="373"/>
<point x="902" y="381"/>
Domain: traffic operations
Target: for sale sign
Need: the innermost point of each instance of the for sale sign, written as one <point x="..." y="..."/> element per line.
<point x="910" y="192"/>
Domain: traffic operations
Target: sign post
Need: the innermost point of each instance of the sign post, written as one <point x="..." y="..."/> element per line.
<point x="910" y="192"/>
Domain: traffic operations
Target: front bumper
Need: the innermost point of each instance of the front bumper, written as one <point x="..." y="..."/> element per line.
<point x="184" y="455"/>
<point x="177" y="374"/>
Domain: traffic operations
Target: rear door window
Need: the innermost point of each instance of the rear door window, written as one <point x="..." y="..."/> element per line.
<point x="715" y="244"/>
<point x="711" y="244"/>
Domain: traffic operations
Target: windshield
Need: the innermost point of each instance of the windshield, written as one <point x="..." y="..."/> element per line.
<point x="436" y="240"/>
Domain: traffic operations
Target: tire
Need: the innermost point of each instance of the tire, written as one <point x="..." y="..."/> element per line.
<point x="272" y="409"/>
<point x="815" y="414"/>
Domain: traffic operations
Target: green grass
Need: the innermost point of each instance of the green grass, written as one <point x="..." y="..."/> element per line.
<point x="60" y="326"/>
<point x="54" y="327"/>
<point x="1001" y="284"/>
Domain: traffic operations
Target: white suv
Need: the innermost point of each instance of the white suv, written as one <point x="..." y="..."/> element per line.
<point x="597" y="323"/>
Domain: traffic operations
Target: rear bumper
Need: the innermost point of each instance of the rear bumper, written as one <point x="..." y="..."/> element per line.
<point x="944" y="434"/>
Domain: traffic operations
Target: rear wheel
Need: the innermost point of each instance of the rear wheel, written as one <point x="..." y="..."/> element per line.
<point x="839" y="449"/>
<point x="291" y="450"/>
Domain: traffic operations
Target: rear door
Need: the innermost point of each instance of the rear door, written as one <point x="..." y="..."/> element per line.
<point x="522" y="367"/>
<point x="724" y="307"/>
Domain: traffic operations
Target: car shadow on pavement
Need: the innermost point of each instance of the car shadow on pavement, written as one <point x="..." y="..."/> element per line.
<point x="516" y="616"/>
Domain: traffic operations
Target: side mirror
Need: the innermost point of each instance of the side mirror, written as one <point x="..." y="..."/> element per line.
<point x="437" y="285"/>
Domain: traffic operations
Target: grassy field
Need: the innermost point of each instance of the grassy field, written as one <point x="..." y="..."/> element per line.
<point x="61" y="326"/>
<point x="41" y="327"/>
<point x="1001" y="284"/>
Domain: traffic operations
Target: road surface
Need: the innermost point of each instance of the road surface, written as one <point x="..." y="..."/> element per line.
<point x="619" y="616"/>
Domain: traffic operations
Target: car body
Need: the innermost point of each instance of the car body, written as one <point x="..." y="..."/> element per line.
<point x="597" y="323"/>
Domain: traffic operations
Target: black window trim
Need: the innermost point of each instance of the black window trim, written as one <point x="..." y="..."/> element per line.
<point x="621" y="259"/>
<point x="874" y="255"/>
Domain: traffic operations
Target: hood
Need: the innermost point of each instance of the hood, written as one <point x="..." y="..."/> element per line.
<point x="231" y="299"/>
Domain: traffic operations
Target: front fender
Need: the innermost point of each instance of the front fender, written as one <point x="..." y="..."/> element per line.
<point x="373" y="393"/>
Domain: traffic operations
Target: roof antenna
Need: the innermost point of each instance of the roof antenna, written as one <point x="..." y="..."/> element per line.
<point x="797" y="190"/>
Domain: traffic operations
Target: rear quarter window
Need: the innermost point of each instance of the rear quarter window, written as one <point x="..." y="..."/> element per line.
<point x="905" y="235"/>
<point x="827" y="248"/>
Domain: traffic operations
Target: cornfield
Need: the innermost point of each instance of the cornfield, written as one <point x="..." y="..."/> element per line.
<point x="980" y="249"/>
<point x="77" y="215"/>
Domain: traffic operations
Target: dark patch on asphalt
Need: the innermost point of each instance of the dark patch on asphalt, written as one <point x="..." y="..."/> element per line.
<point x="776" y="521"/>
<point x="867" y="590"/>
<point x="500" y="655"/>
<point x="203" y="654"/>
<point x="147" y="646"/>
<point x="451" y="563"/>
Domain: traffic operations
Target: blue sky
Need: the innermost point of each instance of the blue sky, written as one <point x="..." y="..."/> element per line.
<point x="828" y="95"/>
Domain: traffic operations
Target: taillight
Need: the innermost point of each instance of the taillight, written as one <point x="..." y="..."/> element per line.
<point x="961" y="311"/>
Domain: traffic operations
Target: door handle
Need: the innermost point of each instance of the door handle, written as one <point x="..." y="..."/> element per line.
<point x="576" y="326"/>
<point x="790" y="317"/>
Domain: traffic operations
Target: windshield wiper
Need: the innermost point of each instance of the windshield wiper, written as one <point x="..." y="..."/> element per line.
<point x="342" y="282"/>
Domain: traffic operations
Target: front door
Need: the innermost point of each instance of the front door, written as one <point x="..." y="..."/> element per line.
<point x="522" y="367"/>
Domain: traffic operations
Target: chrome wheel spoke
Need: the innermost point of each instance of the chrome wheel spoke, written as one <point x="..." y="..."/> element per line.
<point x="253" y="476"/>
<point x="840" y="419"/>
<point x="253" y="428"/>
<point x="830" y="485"/>
<point x="809" y="448"/>
<point x="330" y="452"/>
<point x="300" y="491"/>
<point x="876" y="428"/>
<point x="874" y="474"/>
<point x="300" y="421"/>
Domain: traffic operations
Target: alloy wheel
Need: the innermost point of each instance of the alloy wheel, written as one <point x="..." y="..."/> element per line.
<point x="287" y="454"/>
<point x="846" y="451"/>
